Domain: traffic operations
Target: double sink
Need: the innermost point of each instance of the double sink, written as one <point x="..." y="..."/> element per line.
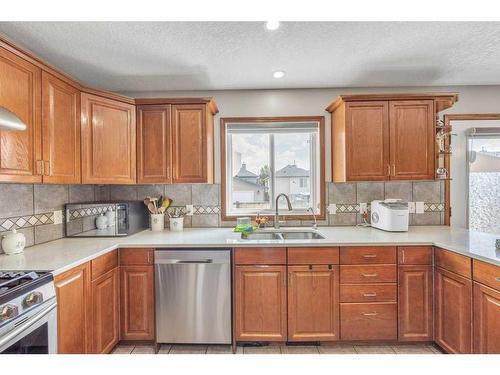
<point x="282" y="234"/>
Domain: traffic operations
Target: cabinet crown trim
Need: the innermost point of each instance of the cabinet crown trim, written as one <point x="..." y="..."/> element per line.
<point x="445" y="99"/>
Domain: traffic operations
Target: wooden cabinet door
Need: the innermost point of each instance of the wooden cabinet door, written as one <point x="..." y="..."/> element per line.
<point x="486" y="320"/>
<point x="153" y="144"/>
<point x="415" y="303"/>
<point x="105" y="316"/>
<point x="260" y="303"/>
<point x="412" y="139"/>
<point x="108" y="141"/>
<point x="367" y="141"/>
<point x="20" y="151"/>
<point x="313" y="303"/>
<point x="61" y="131"/>
<point x="137" y="303"/>
<point x="189" y="143"/>
<point x="74" y="311"/>
<point x="453" y="311"/>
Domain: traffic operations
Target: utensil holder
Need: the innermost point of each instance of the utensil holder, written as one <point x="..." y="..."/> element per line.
<point x="177" y="224"/>
<point x="157" y="222"/>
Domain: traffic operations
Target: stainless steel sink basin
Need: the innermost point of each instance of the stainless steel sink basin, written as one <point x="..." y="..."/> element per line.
<point x="282" y="235"/>
<point x="302" y="236"/>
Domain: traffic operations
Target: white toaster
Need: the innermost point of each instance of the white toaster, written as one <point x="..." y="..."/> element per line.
<point x="390" y="214"/>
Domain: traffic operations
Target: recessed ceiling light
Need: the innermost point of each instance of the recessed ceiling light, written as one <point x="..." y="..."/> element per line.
<point x="272" y="25"/>
<point x="279" y="74"/>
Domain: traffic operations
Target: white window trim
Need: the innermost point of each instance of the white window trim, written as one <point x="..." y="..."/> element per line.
<point x="315" y="173"/>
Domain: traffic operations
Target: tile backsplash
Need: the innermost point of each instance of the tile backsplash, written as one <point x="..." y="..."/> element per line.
<point x="30" y="208"/>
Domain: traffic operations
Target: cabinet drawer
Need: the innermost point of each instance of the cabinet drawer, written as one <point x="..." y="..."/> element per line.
<point x="313" y="255"/>
<point x="368" y="321"/>
<point x="99" y="266"/>
<point x="415" y="255"/>
<point x="136" y="256"/>
<point x="368" y="255"/>
<point x="260" y="255"/>
<point x="487" y="274"/>
<point x="368" y="274"/>
<point x="368" y="293"/>
<point x="459" y="264"/>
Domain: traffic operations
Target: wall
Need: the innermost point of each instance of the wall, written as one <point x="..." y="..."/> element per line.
<point x="31" y="206"/>
<point x="458" y="189"/>
<point x="312" y="102"/>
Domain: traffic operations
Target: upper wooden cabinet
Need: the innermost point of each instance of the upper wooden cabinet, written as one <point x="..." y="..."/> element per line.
<point x="385" y="136"/>
<point x="20" y="93"/>
<point x="154" y="157"/>
<point x="175" y="140"/>
<point x="108" y="141"/>
<point x="60" y="131"/>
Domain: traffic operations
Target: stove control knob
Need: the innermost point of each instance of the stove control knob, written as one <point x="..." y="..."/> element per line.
<point x="33" y="299"/>
<point x="8" y="312"/>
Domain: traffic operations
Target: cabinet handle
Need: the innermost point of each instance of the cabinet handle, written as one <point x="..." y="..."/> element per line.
<point x="394" y="169"/>
<point x="388" y="169"/>
<point x="497" y="278"/>
<point x="402" y="256"/>
<point x="370" y="314"/>
<point x="168" y="172"/>
<point x="370" y="274"/>
<point x="370" y="256"/>
<point x="369" y="294"/>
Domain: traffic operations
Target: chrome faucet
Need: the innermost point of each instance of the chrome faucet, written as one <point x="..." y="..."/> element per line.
<point x="315" y="225"/>
<point x="276" y="215"/>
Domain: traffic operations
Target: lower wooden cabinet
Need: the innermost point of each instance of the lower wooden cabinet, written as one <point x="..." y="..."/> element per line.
<point x="486" y="320"/>
<point x="415" y="318"/>
<point x="74" y="313"/>
<point x="137" y="303"/>
<point x="105" y="312"/>
<point x="453" y="311"/>
<point x="369" y="321"/>
<point x="313" y="303"/>
<point x="260" y="303"/>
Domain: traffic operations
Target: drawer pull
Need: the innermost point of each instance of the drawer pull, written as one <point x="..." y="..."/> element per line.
<point x="497" y="278"/>
<point x="370" y="274"/>
<point x="370" y="314"/>
<point x="370" y="256"/>
<point x="369" y="294"/>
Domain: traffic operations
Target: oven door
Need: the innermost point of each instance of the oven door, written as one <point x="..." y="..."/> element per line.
<point x="36" y="334"/>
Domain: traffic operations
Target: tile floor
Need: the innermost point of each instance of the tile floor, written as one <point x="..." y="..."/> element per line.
<point x="280" y="349"/>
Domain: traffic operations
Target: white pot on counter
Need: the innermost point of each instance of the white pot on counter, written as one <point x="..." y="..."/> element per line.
<point x="177" y="224"/>
<point x="13" y="243"/>
<point x="157" y="222"/>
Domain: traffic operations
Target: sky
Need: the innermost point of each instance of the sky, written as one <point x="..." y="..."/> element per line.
<point x="254" y="149"/>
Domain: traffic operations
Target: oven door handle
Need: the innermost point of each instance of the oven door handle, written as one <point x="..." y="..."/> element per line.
<point x="30" y="322"/>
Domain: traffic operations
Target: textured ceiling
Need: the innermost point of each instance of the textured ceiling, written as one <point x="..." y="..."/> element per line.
<point x="147" y="56"/>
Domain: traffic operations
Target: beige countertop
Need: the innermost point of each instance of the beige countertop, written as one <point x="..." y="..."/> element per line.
<point x="61" y="255"/>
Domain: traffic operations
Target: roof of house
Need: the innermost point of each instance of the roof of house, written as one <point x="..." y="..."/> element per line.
<point x="244" y="172"/>
<point x="251" y="183"/>
<point x="291" y="170"/>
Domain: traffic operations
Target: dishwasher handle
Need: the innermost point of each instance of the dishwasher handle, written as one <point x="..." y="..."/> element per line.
<point x="180" y="261"/>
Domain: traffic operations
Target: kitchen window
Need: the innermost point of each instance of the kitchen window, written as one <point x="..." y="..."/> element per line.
<point x="263" y="157"/>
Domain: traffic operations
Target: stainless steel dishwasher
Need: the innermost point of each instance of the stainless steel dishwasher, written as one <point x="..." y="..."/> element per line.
<point x="193" y="296"/>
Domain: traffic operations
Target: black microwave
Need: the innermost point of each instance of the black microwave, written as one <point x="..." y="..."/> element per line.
<point x="106" y="219"/>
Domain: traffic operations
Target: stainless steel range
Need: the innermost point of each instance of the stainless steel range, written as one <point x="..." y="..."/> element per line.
<point x="28" y="320"/>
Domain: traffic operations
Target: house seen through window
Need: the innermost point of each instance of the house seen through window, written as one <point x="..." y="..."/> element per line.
<point x="266" y="159"/>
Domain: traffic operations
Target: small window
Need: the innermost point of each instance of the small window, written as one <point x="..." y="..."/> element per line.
<point x="263" y="158"/>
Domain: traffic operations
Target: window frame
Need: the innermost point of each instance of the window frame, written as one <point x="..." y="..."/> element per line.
<point x="266" y="120"/>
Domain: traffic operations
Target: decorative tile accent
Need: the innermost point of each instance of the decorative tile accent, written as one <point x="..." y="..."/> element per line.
<point x="206" y="210"/>
<point x="354" y="208"/>
<point x="26" y="221"/>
